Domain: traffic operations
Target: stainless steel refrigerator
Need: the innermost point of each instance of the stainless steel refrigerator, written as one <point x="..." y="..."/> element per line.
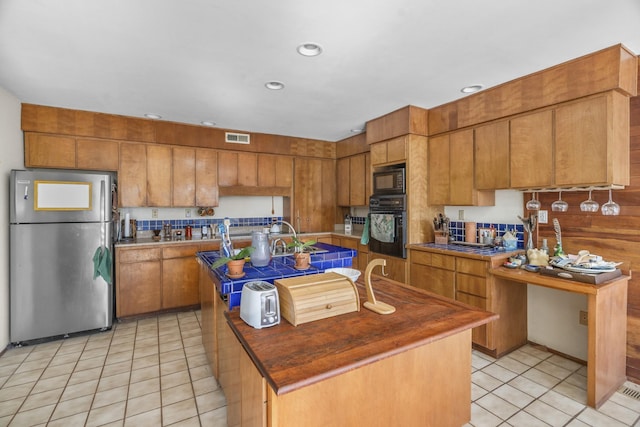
<point x="61" y="252"/>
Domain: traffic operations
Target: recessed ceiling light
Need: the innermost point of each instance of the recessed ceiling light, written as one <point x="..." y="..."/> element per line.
<point x="357" y="130"/>
<point x="274" y="85"/>
<point x="471" y="89"/>
<point x="153" y="116"/>
<point x="309" y="49"/>
<point x="208" y="123"/>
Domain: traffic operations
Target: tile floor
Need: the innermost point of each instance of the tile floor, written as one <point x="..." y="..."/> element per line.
<point x="153" y="372"/>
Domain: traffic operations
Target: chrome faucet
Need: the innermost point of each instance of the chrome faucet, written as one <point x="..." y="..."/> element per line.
<point x="274" y="246"/>
<point x="293" y="230"/>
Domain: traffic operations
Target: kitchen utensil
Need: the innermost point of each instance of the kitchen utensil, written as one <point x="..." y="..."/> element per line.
<point x="259" y="304"/>
<point x="589" y="205"/>
<point x="261" y="255"/>
<point x="559" y="205"/>
<point x="533" y="204"/>
<point x="611" y="207"/>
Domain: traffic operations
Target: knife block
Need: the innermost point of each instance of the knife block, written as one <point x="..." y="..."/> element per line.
<point x="442" y="238"/>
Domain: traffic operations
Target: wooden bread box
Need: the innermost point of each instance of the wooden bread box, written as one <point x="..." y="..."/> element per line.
<point x="316" y="296"/>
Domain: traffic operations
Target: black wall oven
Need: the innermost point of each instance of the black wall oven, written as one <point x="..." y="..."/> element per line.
<point x="387" y="225"/>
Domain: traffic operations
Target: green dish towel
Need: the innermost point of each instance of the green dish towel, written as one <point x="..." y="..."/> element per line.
<point x="102" y="264"/>
<point x="365" y="232"/>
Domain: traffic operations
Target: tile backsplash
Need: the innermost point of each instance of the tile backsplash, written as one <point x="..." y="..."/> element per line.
<point x="458" y="234"/>
<point x="236" y="223"/>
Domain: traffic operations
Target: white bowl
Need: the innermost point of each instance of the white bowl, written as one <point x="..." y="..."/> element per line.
<point x="351" y="273"/>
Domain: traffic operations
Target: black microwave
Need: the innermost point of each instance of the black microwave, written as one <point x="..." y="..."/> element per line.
<point x="389" y="181"/>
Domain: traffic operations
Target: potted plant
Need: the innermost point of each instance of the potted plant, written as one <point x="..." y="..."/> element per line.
<point x="235" y="263"/>
<point x="301" y="254"/>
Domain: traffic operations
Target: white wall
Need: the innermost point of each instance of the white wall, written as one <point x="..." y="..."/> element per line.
<point x="552" y="315"/>
<point x="12" y="157"/>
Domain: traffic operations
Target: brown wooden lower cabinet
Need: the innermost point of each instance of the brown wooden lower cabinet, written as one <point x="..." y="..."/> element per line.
<point x="433" y="272"/>
<point x="180" y="285"/>
<point x="395" y="268"/>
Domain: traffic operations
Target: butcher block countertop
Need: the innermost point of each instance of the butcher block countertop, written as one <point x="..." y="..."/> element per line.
<point x="292" y="357"/>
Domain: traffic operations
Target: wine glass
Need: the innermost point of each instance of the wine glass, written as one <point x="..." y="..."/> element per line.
<point x="533" y="204"/>
<point x="611" y="207"/>
<point x="559" y="205"/>
<point x="589" y="205"/>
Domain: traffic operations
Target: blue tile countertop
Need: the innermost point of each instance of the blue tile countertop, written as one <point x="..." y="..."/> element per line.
<point x="471" y="251"/>
<point x="278" y="268"/>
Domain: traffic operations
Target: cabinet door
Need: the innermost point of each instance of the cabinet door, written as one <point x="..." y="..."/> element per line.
<point x="49" y="151"/>
<point x="132" y="175"/>
<point x="237" y="169"/>
<point x="314" y="195"/>
<point x="397" y="150"/>
<point x="248" y="169"/>
<point x="96" y="154"/>
<point x="253" y="400"/>
<point x="206" y="177"/>
<point x="180" y="282"/>
<point x="592" y="141"/>
<point x="357" y="181"/>
<point x="478" y="334"/>
<point x="138" y="284"/>
<point x="436" y="280"/>
<point x="492" y="156"/>
<point x="343" y="181"/>
<point x="438" y="159"/>
<point x="461" y="189"/>
<point x="158" y="175"/>
<point x="378" y="153"/>
<point x="531" y="157"/>
<point x="395" y="268"/>
<point x="184" y="177"/>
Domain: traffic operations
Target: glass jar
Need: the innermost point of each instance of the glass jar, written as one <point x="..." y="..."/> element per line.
<point x="261" y="254"/>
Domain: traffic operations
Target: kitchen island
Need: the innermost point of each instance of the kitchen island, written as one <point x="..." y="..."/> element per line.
<point x="409" y="368"/>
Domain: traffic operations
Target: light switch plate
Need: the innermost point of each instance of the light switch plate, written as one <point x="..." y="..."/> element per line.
<point x="154" y="213"/>
<point x="543" y="217"/>
<point x="187" y="213"/>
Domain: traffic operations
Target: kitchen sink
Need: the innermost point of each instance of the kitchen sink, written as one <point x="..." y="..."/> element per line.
<point x="289" y="251"/>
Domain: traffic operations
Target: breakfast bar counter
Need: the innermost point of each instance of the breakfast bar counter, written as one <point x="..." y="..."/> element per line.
<point x="410" y="368"/>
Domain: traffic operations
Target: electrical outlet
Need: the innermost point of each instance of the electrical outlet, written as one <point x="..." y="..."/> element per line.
<point x="543" y="217"/>
<point x="187" y="213"/>
<point x="461" y="214"/>
<point x="154" y="213"/>
<point x="584" y="317"/>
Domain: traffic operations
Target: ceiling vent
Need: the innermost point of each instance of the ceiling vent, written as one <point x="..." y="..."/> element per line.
<point x="237" y="138"/>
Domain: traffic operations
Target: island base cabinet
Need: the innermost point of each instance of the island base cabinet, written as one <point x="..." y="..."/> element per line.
<point x="413" y="388"/>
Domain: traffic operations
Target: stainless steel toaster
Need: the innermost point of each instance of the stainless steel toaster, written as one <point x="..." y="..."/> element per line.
<point x="259" y="304"/>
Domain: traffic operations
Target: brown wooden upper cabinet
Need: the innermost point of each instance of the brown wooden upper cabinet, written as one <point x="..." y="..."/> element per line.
<point x="492" y="156"/>
<point x="132" y="175"/>
<point x="314" y="197"/>
<point x="451" y="166"/>
<point x="183" y="183"/>
<point x="206" y="177"/>
<point x="237" y="169"/>
<point x="592" y="141"/>
<point x="392" y="151"/>
<point x="353" y="180"/>
<point x="275" y="171"/>
<point x="531" y="159"/>
<point x="68" y="152"/>
<point x="159" y="176"/>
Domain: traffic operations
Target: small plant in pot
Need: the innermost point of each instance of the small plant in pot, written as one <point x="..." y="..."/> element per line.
<point x="235" y="263"/>
<point x="301" y="252"/>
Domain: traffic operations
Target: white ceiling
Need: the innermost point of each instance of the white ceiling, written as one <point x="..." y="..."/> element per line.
<point x="195" y="60"/>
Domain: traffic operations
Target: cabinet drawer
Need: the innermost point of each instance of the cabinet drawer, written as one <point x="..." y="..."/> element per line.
<point x="473" y="285"/>
<point x="138" y="255"/>
<point x="447" y="262"/>
<point x="349" y="243"/>
<point x="419" y="257"/>
<point x="179" y="251"/>
<point x="436" y="280"/>
<point x="472" y="300"/>
<point x="472" y="266"/>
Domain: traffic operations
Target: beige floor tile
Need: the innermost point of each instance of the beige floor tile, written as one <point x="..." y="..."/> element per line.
<point x="541" y="378"/>
<point x="499" y="372"/>
<point x="175" y="379"/>
<point x="524" y="357"/>
<point x="57" y="370"/>
<point x="512" y="364"/>
<point x="16" y="357"/>
<point x="36" y="400"/>
<point x="34" y="416"/>
<point x="106" y="414"/>
<point x="527" y="386"/>
<point x="147" y="419"/>
<point x="117" y="368"/>
<point x="110" y="396"/>
<point x="166" y="346"/>
<point x="553" y="369"/>
<point x="548" y="414"/>
<point x="39" y="365"/>
<point x="480" y="417"/>
<point x="191" y="341"/>
<point x="577" y="380"/>
<point x="71" y="407"/>
<point x="576" y="393"/>
<point x="197" y="360"/>
<point x="536" y="351"/>
<point x="200" y="372"/>
<point x="477" y="392"/>
<point x="172" y="355"/>
<point x="143" y="342"/>
<point x="114" y="381"/>
<point x="626" y="401"/>
<point x="10" y="407"/>
<point x="123" y="340"/>
<point x="215" y="418"/>
<point x="174" y="366"/>
<point x="95" y="352"/>
<point x="90" y="363"/>
<point x="479" y="362"/>
<point x="3" y="380"/>
<point x="513" y="395"/>
<point x="7" y="370"/>
<point x="70" y="421"/>
<point x="204" y="385"/>
<point x="78" y="377"/>
<point x="144" y="351"/>
<point x="190" y="422"/>
<point x="194" y="350"/>
<point x="51" y="383"/>
<point x="64" y="358"/>
<point x="145" y="373"/>
<point x="594" y="418"/>
<point x="145" y="362"/>
<point x="485" y="381"/>
<point x="567" y="364"/>
<point x="79" y="390"/>
<point x="197" y="333"/>
<point x="123" y="356"/>
<point x="176" y="394"/>
<point x="179" y="411"/>
<point x="24" y="377"/>
<point x="141" y="388"/>
<point x="210" y="401"/>
<point x="144" y="403"/>
<point x="497" y="406"/>
<point x="562" y="402"/>
<point x="618" y="412"/>
<point x="524" y="419"/>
